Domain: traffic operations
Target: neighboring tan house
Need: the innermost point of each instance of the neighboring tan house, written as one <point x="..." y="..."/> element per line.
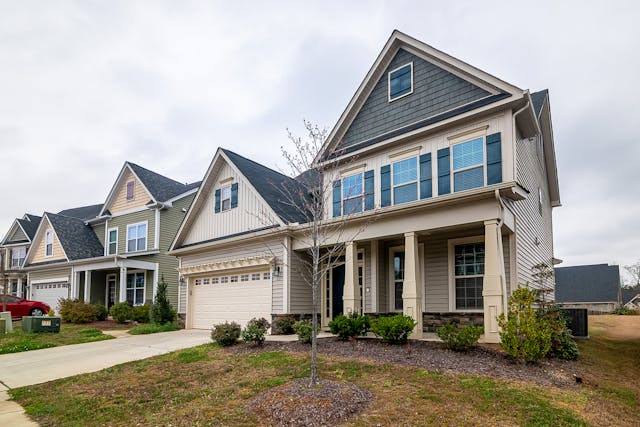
<point x="116" y="251"/>
<point x="594" y="287"/>
<point x="14" y="248"/>
<point x="453" y="170"/>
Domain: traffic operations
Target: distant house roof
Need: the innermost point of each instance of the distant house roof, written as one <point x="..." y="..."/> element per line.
<point x="161" y="187"/>
<point x="84" y="213"/>
<point x="588" y="283"/>
<point x="78" y="240"/>
<point x="284" y="195"/>
<point x="538" y="100"/>
<point x="29" y="224"/>
<point x="629" y="294"/>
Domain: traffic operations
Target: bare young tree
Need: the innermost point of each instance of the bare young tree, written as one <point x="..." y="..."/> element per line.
<point x="321" y="235"/>
<point x="633" y="274"/>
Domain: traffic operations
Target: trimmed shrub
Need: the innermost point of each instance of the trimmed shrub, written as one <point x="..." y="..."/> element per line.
<point x="562" y="344"/>
<point x="525" y="335"/>
<point x="226" y="333"/>
<point x="140" y="313"/>
<point x="304" y="329"/>
<point x="76" y="311"/>
<point x="255" y="330"/>
<point x="121" y="312"/>
<point x="101" y="312"/>
<point x="393" y="329"/>
<point x="459" y="339"/>
<point x="161" y="310"/>
<point x="283" y="326"/>
<point x="351" y="326"/>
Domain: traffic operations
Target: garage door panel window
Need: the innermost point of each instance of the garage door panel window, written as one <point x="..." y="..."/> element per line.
<point x="267" y="275"/>
<point x="224" y="279"/>
<point x="135" y="288"/>
<point x="234" y="279"/>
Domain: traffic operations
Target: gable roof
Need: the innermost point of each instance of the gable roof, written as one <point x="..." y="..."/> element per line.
<point x="83" y="212"/>
<point x="274" y="187"/>
<point x="78" y="240"/>
<point x="538" y="98"/>
<point x="588" y="283"/>
<point x="29" y="224"/>
<point x="498" y="89"/>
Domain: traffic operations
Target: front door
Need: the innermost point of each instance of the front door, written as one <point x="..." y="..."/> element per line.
<point x="111" y="290"/>
<point x="337" y="288"/>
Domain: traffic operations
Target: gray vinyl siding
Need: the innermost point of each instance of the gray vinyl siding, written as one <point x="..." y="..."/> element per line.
<point x="257" y="248"/>
<point x="434" y="91"/>
<point x="301" y="297"/>
<point x="98" y="283"/>
<point x="530" y="224"/>
<point x="99" y="230"/>
<point x="17" y="236"/>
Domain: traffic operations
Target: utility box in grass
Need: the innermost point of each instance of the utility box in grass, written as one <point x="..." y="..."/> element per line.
<point x="40" y="324"/>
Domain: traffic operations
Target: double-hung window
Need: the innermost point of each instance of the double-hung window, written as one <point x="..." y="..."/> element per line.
<point x="137" y="237"/>
<point x="225" y="198"/>
<point x="468" y="165"/>
<point x="135" y="288"/>
<point x="468" y="276"/>
<point x="400" y="81"/>
<point x="17" y="256"/>
<point x="405" y="180"/>
<point x="48" y="242"/>
<point x="112" y="243"/>
<point x="352" y="194"/>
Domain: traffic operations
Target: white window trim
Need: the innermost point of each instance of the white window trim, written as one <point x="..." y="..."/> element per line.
<point x="19" y="259"/>
<point x="222" y="199"/>
<point x="109" y="242"/>
<point x="417" y="180"/>
<point x="452" y="278"/>
<point x="48" y="233"/>
<point x="133" y="192"/>
<point x="146" y="240"/>
<point x="144" y="291"/>
<point x="410" y="64"/>
<point x="483" y="165"/>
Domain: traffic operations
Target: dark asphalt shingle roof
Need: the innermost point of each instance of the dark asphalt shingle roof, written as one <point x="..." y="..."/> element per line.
<point x="628" y="294"/>
<point x="84" y="213"/>
<point x="285" y="195"/>
<point x="538" y="100"/>
<point x="161" y="187"/>
<point x="78" y="240"/>
<point x="587" y="283"/>
<point x="30" y="225"/>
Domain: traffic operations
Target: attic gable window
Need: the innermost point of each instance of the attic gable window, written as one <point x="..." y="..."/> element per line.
<point x="400" y="82"/>
<point x="48" y="242"/>
<point x="225" y="198"/>
<point x="130" y="186"/>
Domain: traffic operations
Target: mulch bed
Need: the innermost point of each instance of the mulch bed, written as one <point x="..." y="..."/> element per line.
<point x="432" y="356"/>
<point x="296" y="404"/>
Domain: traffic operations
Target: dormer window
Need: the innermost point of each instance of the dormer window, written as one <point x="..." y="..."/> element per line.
<point x="400" y="82"/>
<point x="130" y="187"/>
<point x="48" y="242"/>
<point x="225" y="198"/>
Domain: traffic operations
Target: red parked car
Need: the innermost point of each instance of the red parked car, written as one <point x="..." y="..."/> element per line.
<point x="23" y="307"/>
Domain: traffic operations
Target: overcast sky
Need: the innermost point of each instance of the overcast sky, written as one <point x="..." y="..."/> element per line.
<point x="86" y="85"/>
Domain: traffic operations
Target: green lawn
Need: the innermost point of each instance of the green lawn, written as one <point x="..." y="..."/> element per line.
<point x="153" y="328"/>
<point x="18" y="341"/>
<point x="208" y="386"/>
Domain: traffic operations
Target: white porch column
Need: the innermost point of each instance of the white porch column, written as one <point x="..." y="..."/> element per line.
<point x="87" y="286"/>
<point x="374" y="276"/>
<point x="492" y="282"/>
<point x="351" y="294"/>
<point x="411" y="288"/>
<point x="75" y="285"/>
<point x="123" y="285"/>
<point x="156" y="280"/>
<point x="19" y="292"/>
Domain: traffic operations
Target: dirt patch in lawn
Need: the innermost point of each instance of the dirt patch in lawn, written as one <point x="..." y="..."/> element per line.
<point x="617" y="327"/>
<point x="298" y="404"/>
<point x="432" y="356"/>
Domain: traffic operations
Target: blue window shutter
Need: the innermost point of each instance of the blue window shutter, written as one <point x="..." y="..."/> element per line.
<point x="494" y="159"/>
<point x="369" y="190"/>
<point x="425" y="176"/>
<point x="217" y="208"/>
<point x="444" y="172"/>
<point x="337" y="202"/>
<point x="234" y="195"/>
<point x="385" y="185"/>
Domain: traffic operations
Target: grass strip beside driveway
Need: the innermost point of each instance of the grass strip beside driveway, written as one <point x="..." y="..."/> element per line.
<point x="18" y="341"/>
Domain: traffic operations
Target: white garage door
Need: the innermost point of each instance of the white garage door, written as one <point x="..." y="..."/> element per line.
<point x="229" y="298"/>
<point x="50" y="293"/>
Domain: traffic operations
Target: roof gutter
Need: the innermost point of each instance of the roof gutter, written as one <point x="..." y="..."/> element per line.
<point x="115" y="258"/>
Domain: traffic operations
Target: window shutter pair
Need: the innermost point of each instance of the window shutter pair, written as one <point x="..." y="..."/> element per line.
<point x="369" y="194"/>
<point x="425" y="176"/>
<point x="234" y="198"/>
<point x="494" y="159"/>
<point x="337" y="201"/>
<point x="444" y="171"/>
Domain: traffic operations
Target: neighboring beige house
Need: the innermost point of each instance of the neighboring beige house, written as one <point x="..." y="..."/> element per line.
<point x="456" y="166"/>
<point x="13" y="249"/>
<point x="111" y="252"/>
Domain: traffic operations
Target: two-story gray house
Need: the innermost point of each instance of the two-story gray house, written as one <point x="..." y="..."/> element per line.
<point x="453" y="172"/>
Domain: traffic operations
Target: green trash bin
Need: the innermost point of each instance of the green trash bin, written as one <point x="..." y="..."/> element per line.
<point x="40" y="324"/>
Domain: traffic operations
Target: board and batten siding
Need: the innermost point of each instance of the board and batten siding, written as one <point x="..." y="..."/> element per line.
<point x="251" y="213"/>
<point x="39" y="255"/>
<point x="499" y="122"/>
<point x="534" y="234"/>
<point x="120" y="203"/>
<point x="255" y="248"/>
<point x="122" y="221"/>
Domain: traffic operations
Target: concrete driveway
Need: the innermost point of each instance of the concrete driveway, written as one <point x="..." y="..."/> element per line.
<point x="38" y="366"/>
